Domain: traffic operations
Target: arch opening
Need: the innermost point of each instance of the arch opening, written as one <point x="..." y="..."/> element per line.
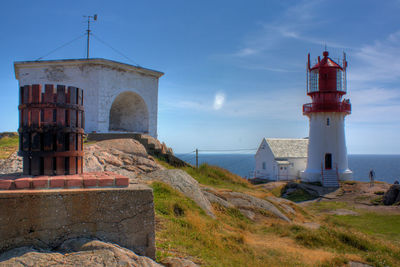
<point x="129" y="113"/>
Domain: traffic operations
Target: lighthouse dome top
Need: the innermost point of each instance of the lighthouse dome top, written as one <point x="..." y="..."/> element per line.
<point x="326" y="62"/>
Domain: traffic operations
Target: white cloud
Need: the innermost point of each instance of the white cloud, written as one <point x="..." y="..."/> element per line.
<point x="378" y="61"/>
<point x="219" y="101"/>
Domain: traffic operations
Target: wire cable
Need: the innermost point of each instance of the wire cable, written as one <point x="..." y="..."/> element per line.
<point x="62" y="46"/>
<point x="115" y="50"/>
<point x="226" y="150"/>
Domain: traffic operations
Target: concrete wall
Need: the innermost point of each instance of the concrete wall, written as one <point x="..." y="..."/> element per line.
<point x="46" y="218"/>
<point x="102" y="82"/>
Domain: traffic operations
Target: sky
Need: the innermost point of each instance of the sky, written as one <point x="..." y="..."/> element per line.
<point x="234" y="70"/>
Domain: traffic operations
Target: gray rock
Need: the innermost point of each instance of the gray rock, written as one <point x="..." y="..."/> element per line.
<point x="215" y="199"/>
<point x="184" y="183"/>
<point x="391" y="195"/>
<point x="11" y="165"/>
<point x="248" y="213"/>
<point x="124" y="156"/>
<point x="76" y="252"/>
<point x="127" y="157"/>
<point x="244" y="201"/>
<point x="177" y="262"/>
<point x="358" y="264"/>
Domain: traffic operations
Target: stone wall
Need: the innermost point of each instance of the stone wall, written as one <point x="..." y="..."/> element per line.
<point x="46" y="218"/>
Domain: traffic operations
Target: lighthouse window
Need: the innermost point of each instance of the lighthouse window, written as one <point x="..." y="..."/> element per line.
<point x="314" y="81"/>
<point x="263" y="165"/>
<point x="327" y="121"/>
<point x="339" y="83"/>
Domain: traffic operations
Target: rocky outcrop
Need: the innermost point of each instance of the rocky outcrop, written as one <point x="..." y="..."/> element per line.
<point x="12" y="164"/>
<point x="76" y="252"/>
<point x="184" y="183"/>
<point x="392" y="195"/>
<point x="124" y="156"/>
<point x="246" y="204"/>
<point x="177" y="262"/>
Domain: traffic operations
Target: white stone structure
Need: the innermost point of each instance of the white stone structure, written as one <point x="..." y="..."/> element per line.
<point x="117" y="97"/>
<point x="281" y="159"/>
<point x="327" y="147"/>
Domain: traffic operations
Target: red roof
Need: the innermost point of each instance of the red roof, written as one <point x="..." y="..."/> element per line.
<point x="326" y="62"/>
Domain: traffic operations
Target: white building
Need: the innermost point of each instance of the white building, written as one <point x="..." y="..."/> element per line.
<point x="117" y="97"/>
<point x="281" y="159"/>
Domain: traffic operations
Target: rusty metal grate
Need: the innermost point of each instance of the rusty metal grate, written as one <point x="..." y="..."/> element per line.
<point x="51" y="127"/>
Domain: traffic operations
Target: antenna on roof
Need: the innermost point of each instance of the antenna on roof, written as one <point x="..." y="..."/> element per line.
<point x="94" y="18"/>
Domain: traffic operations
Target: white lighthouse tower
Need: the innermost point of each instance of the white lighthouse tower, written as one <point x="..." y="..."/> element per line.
<point x="327" y="154"/>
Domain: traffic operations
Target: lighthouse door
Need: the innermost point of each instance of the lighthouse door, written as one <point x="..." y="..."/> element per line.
<point x="328" y="161"/>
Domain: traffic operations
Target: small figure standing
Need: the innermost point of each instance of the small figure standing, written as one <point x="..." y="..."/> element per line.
<point x="371" y="177"/>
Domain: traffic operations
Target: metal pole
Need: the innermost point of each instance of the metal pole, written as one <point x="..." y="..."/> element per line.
<point x="88" y="34"/>
<point x="197" y="158"/>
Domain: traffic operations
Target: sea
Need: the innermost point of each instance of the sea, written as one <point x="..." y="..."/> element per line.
<point x="386" y="167"/>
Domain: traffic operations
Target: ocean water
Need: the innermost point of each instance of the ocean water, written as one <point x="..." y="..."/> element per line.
<point x="386" y="167"/>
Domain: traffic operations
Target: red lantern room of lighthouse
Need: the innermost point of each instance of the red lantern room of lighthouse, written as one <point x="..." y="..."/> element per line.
<point x="327" y="153"/>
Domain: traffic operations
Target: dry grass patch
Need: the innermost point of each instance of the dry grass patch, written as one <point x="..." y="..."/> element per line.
<point x="8" y="145"/>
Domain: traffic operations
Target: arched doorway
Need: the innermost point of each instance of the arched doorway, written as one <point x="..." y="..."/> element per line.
<point x="129" y="113"/>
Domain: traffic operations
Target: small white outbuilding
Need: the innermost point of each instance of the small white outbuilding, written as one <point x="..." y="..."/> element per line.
<point x="281" y="159"/>
<point x="118" y="97"/>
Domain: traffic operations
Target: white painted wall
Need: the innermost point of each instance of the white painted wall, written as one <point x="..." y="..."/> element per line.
<point x="102" y="81"/>
<point x="297" y="165"/>
<point x="264" y="154"/>
<point x="324" y="139"/>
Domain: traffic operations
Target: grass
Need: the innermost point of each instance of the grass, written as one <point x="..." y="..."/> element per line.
<point x="300" y="195"/>
<point x="218" y="177"/>
<point x="324" y="206"/>
<point x="8" y="145"/>
<point x="381" y="225"/>
<point x="233" y="240"/>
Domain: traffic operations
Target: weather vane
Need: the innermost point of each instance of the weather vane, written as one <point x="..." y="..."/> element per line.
<point x="94" y="18"/>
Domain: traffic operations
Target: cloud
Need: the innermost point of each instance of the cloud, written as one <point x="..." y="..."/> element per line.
<point x="219" y="101"/>
<point x="378" y="61"/>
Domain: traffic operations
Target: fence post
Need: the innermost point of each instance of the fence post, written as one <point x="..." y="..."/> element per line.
<point x="197" y="158"/>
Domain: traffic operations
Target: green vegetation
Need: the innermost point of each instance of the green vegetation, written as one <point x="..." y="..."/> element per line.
<point x="218" y="177"/>
<point x="8" y="145"/>
<point x="380" y="225"/>
<point x="300" y="195"/>
<point x="328" y="206"/>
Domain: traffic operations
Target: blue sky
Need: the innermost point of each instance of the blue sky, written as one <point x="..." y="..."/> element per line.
<point x="234" y="70"/>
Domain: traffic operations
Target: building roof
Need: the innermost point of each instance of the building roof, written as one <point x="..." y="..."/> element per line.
<point x="81" y="61"/>
<point x="283" y="162"/>
<point x="288" y="148"/>
<point x="326" y="62"/>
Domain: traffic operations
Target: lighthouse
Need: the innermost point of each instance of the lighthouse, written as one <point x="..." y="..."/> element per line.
<point x="327" y="153"/>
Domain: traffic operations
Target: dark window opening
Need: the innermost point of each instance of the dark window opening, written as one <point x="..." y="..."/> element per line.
<point x="41" y="117"/>
<point x="328" y="161"/>
<point x="54" y="115"/>
<point x="55" y="142"/>
<point x="54" y="165"/>
<point x="41" y="168"/>
<point x="327" y="121"/>
<point x="66" y="159"/>
<point x="67" y="118"/>
<point x="66" y="142"/>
